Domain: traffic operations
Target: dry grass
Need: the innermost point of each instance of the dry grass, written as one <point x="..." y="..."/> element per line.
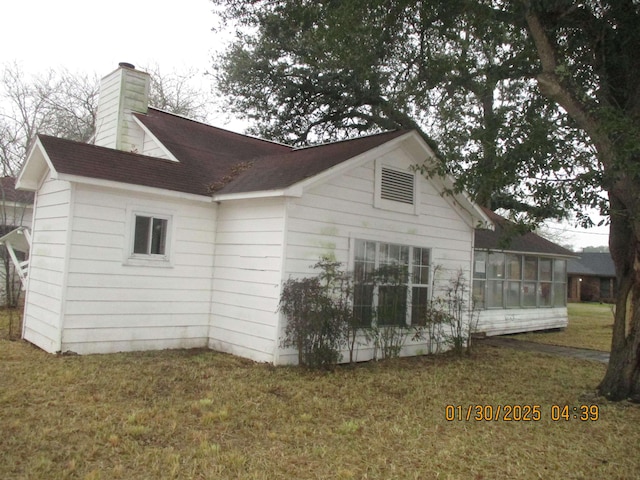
<point x="590" y="326"/>
<point x="203" y="415"/>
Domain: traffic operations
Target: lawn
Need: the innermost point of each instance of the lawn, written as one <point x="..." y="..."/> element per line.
<point x="590" y="326"/>
<point x="203" y="415"/>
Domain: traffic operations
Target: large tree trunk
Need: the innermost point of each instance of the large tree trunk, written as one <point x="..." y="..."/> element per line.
<point x="622" y="379"/>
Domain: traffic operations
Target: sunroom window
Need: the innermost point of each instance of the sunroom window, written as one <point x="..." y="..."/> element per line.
<point x="506" y="280"/>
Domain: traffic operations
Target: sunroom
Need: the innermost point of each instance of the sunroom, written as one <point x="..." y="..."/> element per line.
<point x="519" y="281"/>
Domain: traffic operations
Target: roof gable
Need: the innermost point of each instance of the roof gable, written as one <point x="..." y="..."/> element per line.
<point x="284" y="170"/>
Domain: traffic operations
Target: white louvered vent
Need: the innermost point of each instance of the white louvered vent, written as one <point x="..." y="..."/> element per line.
<point x="396" y="186"/>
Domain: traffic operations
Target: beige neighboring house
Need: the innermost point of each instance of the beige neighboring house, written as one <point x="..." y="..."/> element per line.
<point x="16" y="214"/>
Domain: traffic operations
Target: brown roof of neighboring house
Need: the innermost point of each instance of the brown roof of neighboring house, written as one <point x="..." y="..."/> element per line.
<point x="8" y="192"/>
<point x="210" y="159"/>
<point x="503" y="239"/>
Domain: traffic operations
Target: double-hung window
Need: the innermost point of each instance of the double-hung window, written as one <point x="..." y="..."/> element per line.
<point x="150" y="237"/>
<point x="391" y="283"/>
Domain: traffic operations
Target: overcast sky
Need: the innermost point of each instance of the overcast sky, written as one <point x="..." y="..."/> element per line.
<point x="94" y="36"/>
<point x="85" y="35"/>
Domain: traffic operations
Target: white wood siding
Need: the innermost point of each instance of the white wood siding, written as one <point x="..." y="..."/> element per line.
<point x="329" y="217"/>
<point x="502" y="321"/>
<point x="43" y="302"/>
<point x="247" y="278"/>
<point x="122" y="92"/>
<point x="114" y="306"/>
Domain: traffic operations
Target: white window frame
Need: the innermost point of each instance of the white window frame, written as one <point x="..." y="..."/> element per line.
<point x="409" y="285"/>
<point x="148" y="259"/>
<point x="394" y="206"/>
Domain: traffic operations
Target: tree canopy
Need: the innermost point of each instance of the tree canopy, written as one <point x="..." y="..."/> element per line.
<point x="533" y="105"/>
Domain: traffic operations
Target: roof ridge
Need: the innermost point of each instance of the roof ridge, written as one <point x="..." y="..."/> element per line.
<point x="183" y="117"/>
<point x="336" y="142"/>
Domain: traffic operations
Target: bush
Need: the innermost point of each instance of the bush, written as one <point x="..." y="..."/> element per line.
<point x="315" y="309"/>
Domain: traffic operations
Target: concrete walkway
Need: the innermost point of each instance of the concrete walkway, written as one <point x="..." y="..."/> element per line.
<point x="582" y="353"/>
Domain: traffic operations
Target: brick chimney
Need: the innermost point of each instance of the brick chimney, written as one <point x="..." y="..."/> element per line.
<point x="123" y="92"/>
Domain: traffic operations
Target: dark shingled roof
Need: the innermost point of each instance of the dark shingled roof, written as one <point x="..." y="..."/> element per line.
<point x="82" y="159"/>
<point x="280" y="171"/>
<point x="599" y="264"/>
<point x="8" y="192"/>
<point x="529" y="242"/>
<point x="210" y="159"/>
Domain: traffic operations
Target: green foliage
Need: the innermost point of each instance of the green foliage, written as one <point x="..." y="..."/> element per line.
<point x="315" y="311"/>
<point x="451" y="70"/>
<point x="321" y="320"/>
<point x="451" y="317"/>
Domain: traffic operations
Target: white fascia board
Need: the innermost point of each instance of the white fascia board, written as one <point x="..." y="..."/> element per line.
<point x="146" y="130"/>
<point x="464" y="202"/>
<point x="447" y="182"/>
<point x="293" y="191"/>
<point x="133" y="187"/>
<point x="34" y="168"/>
<point x="529" y="253"/>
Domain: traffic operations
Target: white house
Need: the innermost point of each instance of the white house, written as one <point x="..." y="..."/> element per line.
<point x="169" y="233"/>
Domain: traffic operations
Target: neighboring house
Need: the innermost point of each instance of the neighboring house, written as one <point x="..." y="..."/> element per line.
<point x="16" y="211"/>
<point x="168" y="233"/>
<point x="592" y="278"/>
<point x="519" y="281"/>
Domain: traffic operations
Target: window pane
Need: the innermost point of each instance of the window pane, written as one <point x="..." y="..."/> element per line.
<point x="420" y="266"/>
<point x="496" y="265"/>
<point x="363" y="304"/>
<point x="158" y="236"/>
<point x="364" y="266"/>
<point x="480" y="264"/>
<point x="514" y="267"/>
<point x="392" y="305"/>
<point x="559" y="270"/>
<point x="545" y="294"/>
<point x="545" y="269"/>
<point x="513" y="295"/>
<point x="419" y="302"/>
<point x="478" y="293"/>
<point x="494" y="294"/>
<point x="141" y="239"/>
<point x="530" y="268"/>
<point x="529" y="294"/>
<point x="404" y="255"/>
<point x="559" y="295"/>
<point x="365" y="251"/>
<point x="421" y="256"/>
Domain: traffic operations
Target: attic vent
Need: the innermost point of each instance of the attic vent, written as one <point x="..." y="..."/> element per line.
<point x="396" y="186"/>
